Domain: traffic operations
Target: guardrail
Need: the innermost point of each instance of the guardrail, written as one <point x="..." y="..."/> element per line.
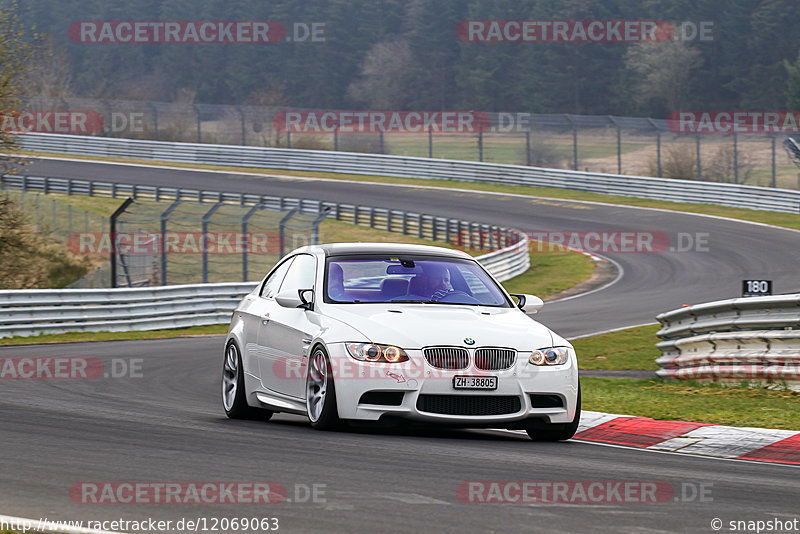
<point x="53" y="311"/>
<point x="739" y="339"/>
<point x="744" y="196"/>
<point x="30" y="312"/>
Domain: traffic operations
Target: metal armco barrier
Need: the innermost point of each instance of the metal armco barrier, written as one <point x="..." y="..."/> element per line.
<point x="54" y="311"/>
<point x="739" y="339"/>
<point x="724" y="194"/>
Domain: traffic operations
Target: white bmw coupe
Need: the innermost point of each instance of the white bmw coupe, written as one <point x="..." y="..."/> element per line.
<point x="374" y="331"/>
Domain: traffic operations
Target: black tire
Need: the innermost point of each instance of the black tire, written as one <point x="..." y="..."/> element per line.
<point x="234" y="398"/>
<point x="540" y="431"/>
<point x="326" y="418"/>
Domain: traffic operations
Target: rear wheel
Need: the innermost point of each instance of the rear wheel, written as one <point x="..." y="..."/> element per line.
<point x="541" y="431"/>
<point x="321" y="392"/>
<point x="233" y="392"/>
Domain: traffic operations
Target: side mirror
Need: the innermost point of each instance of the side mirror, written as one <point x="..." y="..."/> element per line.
<point x="528" y="303"/>
<point x="302" y="298"/>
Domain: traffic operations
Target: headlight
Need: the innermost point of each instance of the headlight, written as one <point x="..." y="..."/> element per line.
<point x="550" y="356"/>
<point x="371" y="352"/>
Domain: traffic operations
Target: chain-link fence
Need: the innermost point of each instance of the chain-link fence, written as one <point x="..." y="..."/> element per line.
<point x="182" y="242"/>
<point x="621" y="145"/>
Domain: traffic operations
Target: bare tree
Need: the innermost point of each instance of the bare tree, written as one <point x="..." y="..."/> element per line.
<point x="49" y="72"/>
<point x="14" y="55"/>
<point x="664" y="71"/>
<point x="384" y="76"/>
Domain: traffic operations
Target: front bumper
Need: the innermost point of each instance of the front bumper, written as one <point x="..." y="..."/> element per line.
<point x="425" y="388"/>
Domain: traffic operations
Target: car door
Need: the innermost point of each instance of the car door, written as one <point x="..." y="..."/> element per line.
<point x="287" y="336"/>
<point x="255" y="315"/>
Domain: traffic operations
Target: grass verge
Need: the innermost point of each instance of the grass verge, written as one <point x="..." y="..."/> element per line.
<point x="77" y="337"/>
<point x="787" y="220"/>
<point x="632" y="348"/>
<point x="688" y="401"/>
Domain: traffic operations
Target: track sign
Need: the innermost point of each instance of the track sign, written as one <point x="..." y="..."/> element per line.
<point x="756" y="288"/>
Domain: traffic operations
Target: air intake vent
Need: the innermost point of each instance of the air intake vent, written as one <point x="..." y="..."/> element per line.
<point x="447" y="357"/>
<point x="495" y="359"/>
<point x="468" y="404"/>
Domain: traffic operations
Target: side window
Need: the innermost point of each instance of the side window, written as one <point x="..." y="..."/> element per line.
<point x="301" y="274"/>
<point x="273" y="282"/>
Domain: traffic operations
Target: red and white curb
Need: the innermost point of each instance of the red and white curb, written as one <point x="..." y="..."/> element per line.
<point x="759" y="444"/>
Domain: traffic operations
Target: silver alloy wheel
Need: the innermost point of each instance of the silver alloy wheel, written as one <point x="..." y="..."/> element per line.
<point x="230" y="377"/>
<point x="316" y="385"/>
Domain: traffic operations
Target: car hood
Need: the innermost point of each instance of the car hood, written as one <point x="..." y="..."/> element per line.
<point x="413" y="326"/>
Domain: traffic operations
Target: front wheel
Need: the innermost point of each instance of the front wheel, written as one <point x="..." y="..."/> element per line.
<point x="233" y="393"/>
<point x="321" y="392"/>
<point x="540" y="431"/>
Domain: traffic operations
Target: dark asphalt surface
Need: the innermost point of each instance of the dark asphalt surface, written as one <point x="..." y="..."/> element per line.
<point x="168" y="424"/>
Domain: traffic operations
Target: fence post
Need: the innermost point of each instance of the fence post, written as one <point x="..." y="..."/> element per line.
<point x="480" y="146"/>
<point x="773" y="160"/>
<point x="323" y="214"/>
<point x="574" y="143"/>
<point x="430" y="142"/>
<point x="244" y="131"/>
<point x="282" y="231"/>
<point x="619" y="150"/>
<point x="113" y="231"/>
<point x="380" y="139"/>
<point x="204" y="237"/>
<point x="735" y="158"/>
<point x="164" y="217"/>
<point x="155" y="120"/>
<point x="246" y="238"/>
<point x="658" y="152"/>
<point x="199" y="130"/>
<point x="336" y="139"/>
<point x="528" y="148"/>
<point x="697" y="150"/>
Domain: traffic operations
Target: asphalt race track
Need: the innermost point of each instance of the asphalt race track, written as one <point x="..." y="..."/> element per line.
<point x="166" y="424"/>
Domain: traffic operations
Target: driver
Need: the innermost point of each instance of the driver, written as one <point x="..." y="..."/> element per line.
<point x="438" y="281"/>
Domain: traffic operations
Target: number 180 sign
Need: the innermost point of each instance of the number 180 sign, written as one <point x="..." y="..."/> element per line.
<point x="756" y="288"/>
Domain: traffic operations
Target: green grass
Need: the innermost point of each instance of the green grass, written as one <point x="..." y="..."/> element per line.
<point x="633" y="348"/>
<point x="703" y="403"/>
<point x="553" y="272"/>
<point x="77" y="337"/>
<point x="768" y="217"/>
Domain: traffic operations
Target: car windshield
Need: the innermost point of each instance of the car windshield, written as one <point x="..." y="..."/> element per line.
<point x="423" y="279"/>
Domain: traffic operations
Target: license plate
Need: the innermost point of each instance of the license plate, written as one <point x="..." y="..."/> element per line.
<point x="474" y="382"/>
